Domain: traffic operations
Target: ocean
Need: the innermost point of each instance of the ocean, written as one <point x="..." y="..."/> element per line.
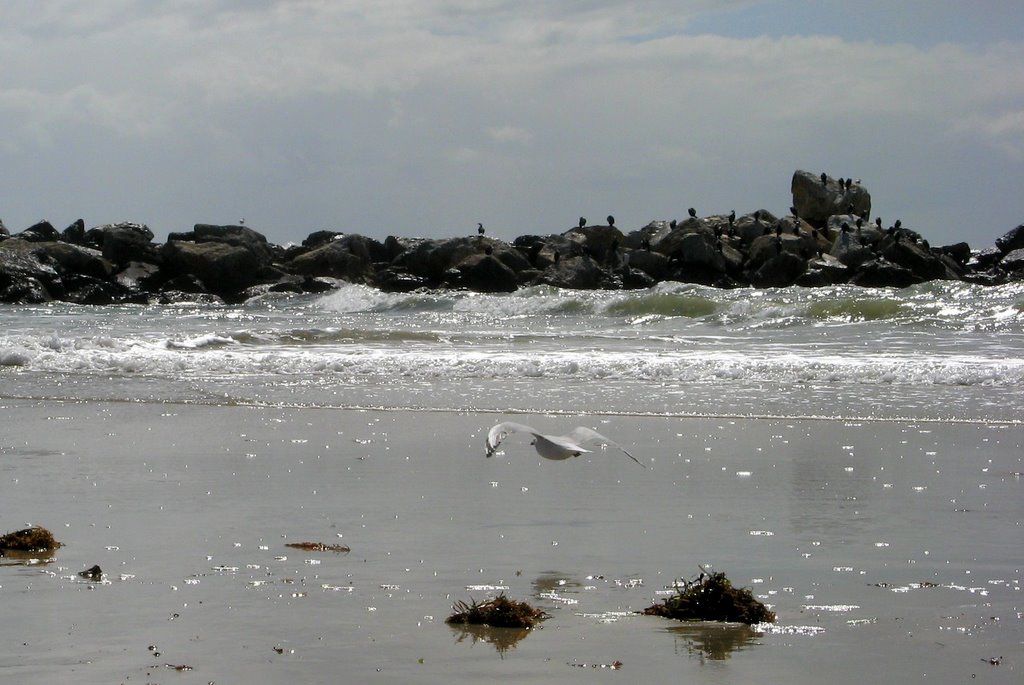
<point x="944" y="350"/>
<point x="854" y="456"/>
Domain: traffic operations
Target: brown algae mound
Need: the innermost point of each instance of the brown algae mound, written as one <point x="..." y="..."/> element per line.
<point x="712" y="597"/>
<point x="500" y="612"/>
<point x="318" y="547"/>
<point x="34" y="539"/>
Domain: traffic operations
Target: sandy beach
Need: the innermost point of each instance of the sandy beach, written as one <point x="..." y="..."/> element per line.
<point x="889" y="550"/>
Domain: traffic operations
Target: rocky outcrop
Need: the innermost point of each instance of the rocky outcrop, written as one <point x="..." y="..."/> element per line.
<point x="816" y="197"/>
<point x="826" y="239"/>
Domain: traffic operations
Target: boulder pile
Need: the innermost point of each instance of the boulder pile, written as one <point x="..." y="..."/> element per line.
<point x="827" y="238"/>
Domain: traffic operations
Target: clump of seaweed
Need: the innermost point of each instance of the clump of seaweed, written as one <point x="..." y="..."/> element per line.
<point x="500" y="612"/>
<point x="318" y="547"/>
<point x="712" y="597"/>
<point x="34" y="539"/>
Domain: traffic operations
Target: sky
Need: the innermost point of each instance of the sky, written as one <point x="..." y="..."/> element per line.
<point x="424" y="117"/>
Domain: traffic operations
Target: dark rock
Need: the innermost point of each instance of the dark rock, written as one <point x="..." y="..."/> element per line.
<point x="750" y="227"/>
<point x="320" y="238"/>
<point x="596" y="241"/>
<point x="824" y="270"/>
<point x="848" y="249"/>
<point x="137" y="276"/>
<point x="1013" y="261"/>
<point x="784" y="269"/>
<point x="39" y="232"/>
<point x="958" y="252"/>
<point x="487" y="274"/>
<point x="914" y="257"/>
<point x="988" y="257"/>
<point x="179" y="297"/>
<point x="397" y="280"/>
<point x="1011" y="240"/>
<point x="82" y="289"/>
<point x="580" y="273"/>
<point x="73" y="259"/>
<point x="25" y="276"/>
<point x="654" y="264"/>
<point x="94" y="573"/>
<point x="766" y="247"/>
<point x="124" y="242"/>
<point x="816" y="202"/>
<point x="636" y="279"/>
<point x="75" y="233"/>
<point x="347" y="258"/>
<point x="650" y="234"/>
<point x="223" y="267"/>
<point x="880" y="273"/>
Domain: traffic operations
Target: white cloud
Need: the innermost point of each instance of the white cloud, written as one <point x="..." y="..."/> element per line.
<point x="567" y="104"/>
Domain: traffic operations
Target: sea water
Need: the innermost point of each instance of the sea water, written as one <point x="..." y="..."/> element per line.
<point x="939" y="350"/>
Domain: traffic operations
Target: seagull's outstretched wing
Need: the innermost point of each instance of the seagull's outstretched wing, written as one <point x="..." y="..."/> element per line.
<point x="583" y="434"/>
<point x="502" y="431"/>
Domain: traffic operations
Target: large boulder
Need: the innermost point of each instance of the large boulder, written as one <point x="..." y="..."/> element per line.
<point x="74" y="259"/>
<point x="849" y="249"/>
<point x="485" y="273"/>
<point x="74" y="233"/>
<point x="815" y="201"/>
<point x="25" y="276"/>
<point x="750" y="227"/>
<point x="648" y="235"/>
<point x="600" y="242"/>
<point x="349" y="258"/>
<point x="223" y="268"/>
<point x="1011" y="240"/>
<point x="881" y="273"/>
<point x="580" y="273"/>
<point x="784" y="269"/>
<point x="919" y="260"/>
<point x="654" y="264"/>
<point x="1013" y="261"/>
<point x="768" y="246"/>
<point x="432" y="259"/>
<point x="124" y="242"/>
<point x="40" y="231"/>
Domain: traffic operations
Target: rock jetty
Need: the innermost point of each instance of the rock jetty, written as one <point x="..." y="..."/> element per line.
<point x="829" y="237"/>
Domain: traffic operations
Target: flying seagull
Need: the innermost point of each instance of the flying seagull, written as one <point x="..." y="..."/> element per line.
<point x="551" y="446"/>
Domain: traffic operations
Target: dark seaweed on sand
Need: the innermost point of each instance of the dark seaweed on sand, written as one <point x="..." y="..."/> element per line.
<point x="318" y="547"/>
<point x="712" y="597"/>
<point x="35" y="539"/>
<point x="500" y="612"/>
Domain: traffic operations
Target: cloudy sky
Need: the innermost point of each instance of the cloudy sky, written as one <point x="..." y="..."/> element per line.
<point x="423" y="117"/>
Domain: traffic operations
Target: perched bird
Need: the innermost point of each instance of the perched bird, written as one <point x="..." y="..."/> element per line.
<point x="583" y="221"/>
<point x="480" y="228"/>
<point x="672" y="224"/>
<point x="692" y="212"/>
<point x="732" y="217"/>
<point x="611" y="220"/>
<point x="824" y="178"/>
<point x="552" y="446"/>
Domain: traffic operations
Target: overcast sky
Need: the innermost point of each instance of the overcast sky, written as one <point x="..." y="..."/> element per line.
<point x="423" y="117"/>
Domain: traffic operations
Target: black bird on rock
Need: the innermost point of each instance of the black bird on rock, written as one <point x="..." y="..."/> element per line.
<point x="692" y="212"/>
<point x="480" y="229"/>
<point x="611" y="220"/>
<point x="824" y="178"/>
<point x="583" y="221"/>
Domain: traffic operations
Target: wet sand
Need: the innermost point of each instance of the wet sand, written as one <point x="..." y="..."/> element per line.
<point x="889" y="550"/>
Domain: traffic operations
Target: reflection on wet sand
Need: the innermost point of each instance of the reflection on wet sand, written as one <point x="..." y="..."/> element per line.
<point x="502" y="639"/>
<point x="712" y="641"/>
